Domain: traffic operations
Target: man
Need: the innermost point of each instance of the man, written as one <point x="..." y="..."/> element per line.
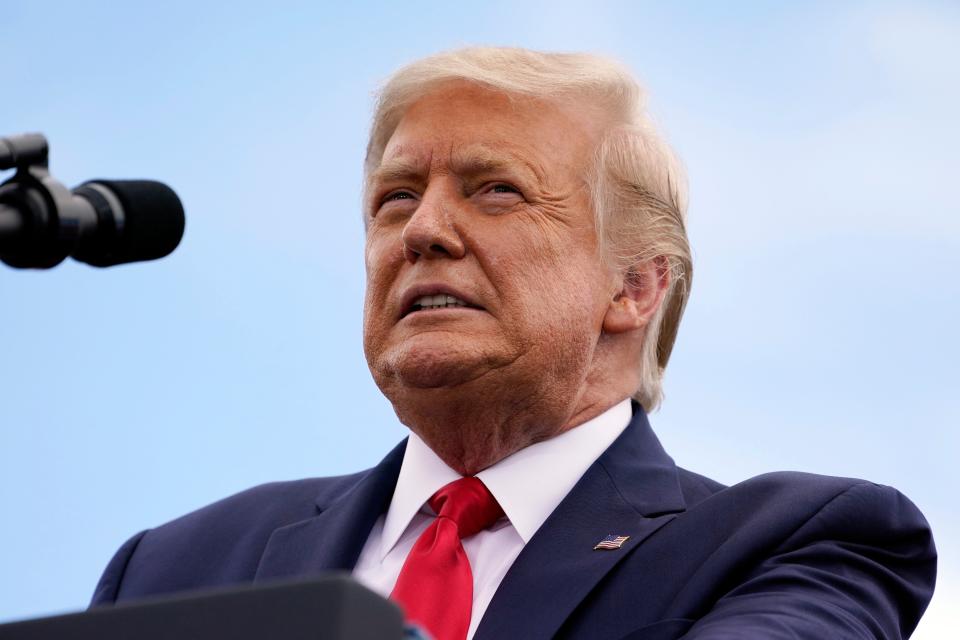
<point x="527" y="267"/>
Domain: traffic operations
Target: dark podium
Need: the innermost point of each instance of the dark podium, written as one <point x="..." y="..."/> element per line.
<point x="329" y="608"/>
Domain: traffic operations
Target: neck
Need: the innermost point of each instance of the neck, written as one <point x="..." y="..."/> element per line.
<point x="475" y="425"/>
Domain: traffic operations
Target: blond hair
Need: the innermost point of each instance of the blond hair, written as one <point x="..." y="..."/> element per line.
<point x="637" y="186"/>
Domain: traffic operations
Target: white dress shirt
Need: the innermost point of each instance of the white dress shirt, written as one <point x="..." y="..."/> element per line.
<point x="528" y="485"/>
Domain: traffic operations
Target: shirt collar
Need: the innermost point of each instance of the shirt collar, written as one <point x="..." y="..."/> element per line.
<point x="528" y="484"/>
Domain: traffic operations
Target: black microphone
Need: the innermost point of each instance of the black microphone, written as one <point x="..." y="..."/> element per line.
<point x="101" y="222"/>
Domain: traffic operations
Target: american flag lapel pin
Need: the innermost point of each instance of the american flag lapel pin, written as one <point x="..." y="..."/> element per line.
<point x="611" y="543"/>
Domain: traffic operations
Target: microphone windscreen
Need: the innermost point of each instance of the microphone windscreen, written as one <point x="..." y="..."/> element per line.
<point x="153" y="222"/>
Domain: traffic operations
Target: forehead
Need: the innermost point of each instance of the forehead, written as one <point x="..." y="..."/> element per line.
<point x="466" y="127"/>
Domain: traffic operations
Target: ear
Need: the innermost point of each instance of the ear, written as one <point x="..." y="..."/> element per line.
<point x="641" y="293"/>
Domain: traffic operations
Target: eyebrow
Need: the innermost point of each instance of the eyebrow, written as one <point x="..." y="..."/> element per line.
<point x="469" y="162"/>
<point x="397" y="170"/>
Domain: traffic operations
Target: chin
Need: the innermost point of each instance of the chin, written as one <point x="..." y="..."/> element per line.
<point x="424" y="371"/>
<point x="432" y="364"/>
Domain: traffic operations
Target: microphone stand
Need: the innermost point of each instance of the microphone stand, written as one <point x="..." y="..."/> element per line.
<point x="40" y="220"/>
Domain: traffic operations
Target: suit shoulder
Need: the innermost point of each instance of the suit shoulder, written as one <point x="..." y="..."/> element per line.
<point x="265" y="506"/>
<point x="801" y="489"/>
<point x="815" y="548"/>
<point x="775" y="485"/>
<point x="831" y="535"/>
<point x="778" y="485"/>
<point x="798" y="505"/>
<point x="222" y="542"/>
<point x="851" y="507"/>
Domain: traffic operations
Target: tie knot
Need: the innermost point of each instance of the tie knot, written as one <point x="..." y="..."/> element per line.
<point x="469" y="504"/>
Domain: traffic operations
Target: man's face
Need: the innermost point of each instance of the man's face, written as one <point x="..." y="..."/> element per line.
<point x="481" y="252"/>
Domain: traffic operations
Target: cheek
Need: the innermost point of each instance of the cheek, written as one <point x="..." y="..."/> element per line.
<point x="562" y="292"/>
<point x="381" y="259"/>
<point x="381" y="269"/>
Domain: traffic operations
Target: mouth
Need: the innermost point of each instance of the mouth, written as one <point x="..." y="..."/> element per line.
<point x="424" y="299"/>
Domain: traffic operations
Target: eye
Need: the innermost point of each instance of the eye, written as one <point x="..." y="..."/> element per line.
<point x="496" y="198"/>
<point x="397" y="195"/>
<point x="395" y="201"/>
<point x="502" y="187"/>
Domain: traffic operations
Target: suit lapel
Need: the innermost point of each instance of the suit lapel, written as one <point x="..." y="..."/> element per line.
<point x="631" y="490"/>
<point x="333" y="539"/>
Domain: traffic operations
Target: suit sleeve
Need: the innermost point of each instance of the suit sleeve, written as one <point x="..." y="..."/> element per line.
<point x="109" y="586"/>
<point x="863" y="566"/>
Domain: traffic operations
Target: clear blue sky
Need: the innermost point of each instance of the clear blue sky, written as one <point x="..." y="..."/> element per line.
<point x="821" y="142"/>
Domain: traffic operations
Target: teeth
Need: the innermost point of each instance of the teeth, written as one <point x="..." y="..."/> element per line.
<point x="438" y="301"/>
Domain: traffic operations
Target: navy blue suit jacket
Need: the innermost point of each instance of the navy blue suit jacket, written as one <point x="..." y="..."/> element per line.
<point x="783" y="555"/>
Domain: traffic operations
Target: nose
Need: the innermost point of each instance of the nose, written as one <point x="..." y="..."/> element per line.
<point x="430" y="232"/>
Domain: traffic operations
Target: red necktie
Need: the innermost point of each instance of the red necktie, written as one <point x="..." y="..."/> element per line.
<point x="435" y="587"/>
